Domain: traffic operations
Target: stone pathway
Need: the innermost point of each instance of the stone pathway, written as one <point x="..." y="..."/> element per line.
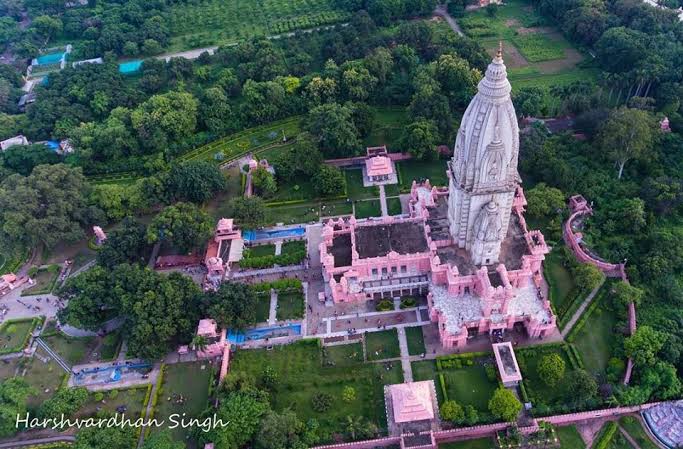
<point x="278" y="247"/>
<point x="405" y="355"/>
<point x="150" y="406"/>
<point x="581" y="309"/>
<point x="383" y="201"/>
<point x="272" y="314"/>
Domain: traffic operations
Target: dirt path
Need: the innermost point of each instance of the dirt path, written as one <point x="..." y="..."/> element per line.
<point x="629" y="438"/>
<point x="443" y="12"/>
<point x="581" y="309"/>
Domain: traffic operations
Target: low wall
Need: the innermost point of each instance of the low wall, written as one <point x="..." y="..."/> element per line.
<point x="366" y="444"/>
<point x="360" y="160"/>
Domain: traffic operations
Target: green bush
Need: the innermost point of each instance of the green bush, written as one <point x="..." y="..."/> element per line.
<point x="113" y="394"/>
<point x="98" y="397"/>
<point x="385" y="305"/>
<point x="321" y="402"/>
<point x="442" y="383"/>
<point x="605" y="437"/>
<point x="491" y="374"/>
<point x="408" y="302"/>
<point x="286" y="284"/>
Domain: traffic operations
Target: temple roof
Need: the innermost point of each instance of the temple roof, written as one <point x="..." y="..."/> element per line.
<point x="411" y="401"/>
<point x="378" y="166"/>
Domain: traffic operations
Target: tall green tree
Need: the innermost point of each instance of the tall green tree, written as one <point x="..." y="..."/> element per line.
<point x="420" y="139"/>
<point x="627" y="134"/>
<point x="105" y="438"/>
<point x="13" y="395"/>
<point x="195" y="181"/>
<point x="165" y="118"/>
<point x="332" y="126"/>
<point x="644" y="345"/>
<point x="183" y="225"/>
<point x="249" y="212"/>
<point x="329" y="181"/>
<point x="233" y="305"/>
<point x="504" y="405"/>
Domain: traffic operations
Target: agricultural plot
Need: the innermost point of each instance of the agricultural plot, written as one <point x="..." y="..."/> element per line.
<point x="537" y="47"/>
<point x="210" y="22"/>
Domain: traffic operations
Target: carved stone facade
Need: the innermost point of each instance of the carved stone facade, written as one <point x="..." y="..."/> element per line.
<point x="483" y="174"/>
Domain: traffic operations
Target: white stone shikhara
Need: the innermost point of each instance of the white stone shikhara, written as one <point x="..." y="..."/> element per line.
<point x="483" y="172"/>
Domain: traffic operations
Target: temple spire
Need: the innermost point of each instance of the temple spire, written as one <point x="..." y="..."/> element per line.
<point x="499" y="53"/>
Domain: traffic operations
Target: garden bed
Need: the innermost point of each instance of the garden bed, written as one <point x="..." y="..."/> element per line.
<point x="416" y="342"/>
<point x="15" y="334"/>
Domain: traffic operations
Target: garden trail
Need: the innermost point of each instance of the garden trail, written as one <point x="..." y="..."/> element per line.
<point x="383" y="201"/>
<point x="405" y="355"/>
<point x="150" y="404"/>
<point x="629" y="438"/>
<point x="443" y="12"/>
<point x="581" y="309"/>
<point x="272" y="311"/>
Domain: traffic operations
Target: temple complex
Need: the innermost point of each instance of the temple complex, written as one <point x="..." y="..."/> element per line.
<point x="467" y="247"/>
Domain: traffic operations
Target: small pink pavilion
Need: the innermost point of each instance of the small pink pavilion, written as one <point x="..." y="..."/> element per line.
<point x="217" y="345"/>
<point x="378" y="169"/>
<point x="224" y="248"/>
<point x="508" y="369"/>
<point x="412" y="412"/>
<point x="100" y="236"/>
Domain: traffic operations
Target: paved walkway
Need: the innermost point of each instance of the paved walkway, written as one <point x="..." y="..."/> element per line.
<point x="628" y="437"/>
<point x="443" y="12"/>
<point x="272" y="313"/>
<point x="150" y="406"/>
<point x="278" y="247"/>
<point x="383" y="201"/>
<point x="405" y="355"/>
<point x="581" y="309"/>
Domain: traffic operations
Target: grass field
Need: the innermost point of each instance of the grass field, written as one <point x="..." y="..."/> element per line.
<point x="45" y="282"/>
<point x="208" y="22"/>
<point x="481" y="443"/>
<point x="290" y="305"/>
<point x="596" y="340"/>
<point x="132" y="399"/>
<point x="13" y="335"/>
<point x="72" y="350"/>
<point x="539" y="392"/>
<point x="634" y="428"/>
<point x="559" y="278"/>
<point x="368" y="208"/>
<point x="262" y="308"/>
<point x="537" y="47"/>
<point x="261" y="250"/>
<point x="354" y="186"/>
<point x="344" y="355"/>
<point x="469" y="386"/>
<point x="382" y="345"/>
<point x="570" y="438"/>
<point x="435" y="171"/>
<point x="416" y="341"/>
<point x="394" y="206"/>
<point x="45" y="378"/>
<point x="302" y="375"/>
<point x="185" y="390"/>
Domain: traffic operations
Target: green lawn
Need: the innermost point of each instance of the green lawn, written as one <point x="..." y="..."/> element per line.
<point x="132" y="399"/>
<point x="634" y="428"/>
<point x="72" y="350"/>
<point x="368" y="208"/>
<point x="537" y="47"/>
<point x="411" y="170"/>
<point x="185" y="390"/>
<point x="295" y="190"/>
<point x="559" y="278"/>
<point x="343" y="355"/>
<point x="510" y="17"/>
<point x="596" y="340"/>
<point x="335" y="208"/>
<point x="481" y="443"/>
<point x="570" y="438"/>
<point x="538" y="391"/>
<point x="291" y="247"/>
<point x="13" y="335"/>
<point x="110" y="346"/>
<point x="394" y="206"/>
<point x="262" y="308"/>
<point x="45" y="282"/>
<point x="261" y="250"/>
<point x="382" y="345"/>
<point x="619" y="442"/>
<point x="469" y="386"/>
<point x="416" y="342"/>
<point x="290" y="305"/>
<point x="290" y="214"/>
<point x="302" y="375"/>
<point x="45" y="378"/>
<point x="354" y="185"/>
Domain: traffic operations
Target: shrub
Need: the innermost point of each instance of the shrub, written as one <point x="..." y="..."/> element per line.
<point x="348" y="394"/>
<point x="452" y="411"/>
<point x="606" y="436"/>
<point x="491" y="374"/>
<point x="99" y="396"/>
<point x="113" y="394"/>
<point x="385" y="305"/>
<point x="321" y="402"/>
<point x="408" y="302"/>
<point x="551" y="369"/>
<point x="33" y="271"/>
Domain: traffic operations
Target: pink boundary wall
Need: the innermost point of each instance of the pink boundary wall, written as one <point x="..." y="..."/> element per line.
<point x="468" y="433"/>
<point x="579" y="206"/>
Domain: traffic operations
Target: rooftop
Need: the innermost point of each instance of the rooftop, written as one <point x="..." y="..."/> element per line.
<point x="457" y="310"/>
<point x="341" y="250"/>
<point x="380" y="240"/>
<point x="411" y="401"/>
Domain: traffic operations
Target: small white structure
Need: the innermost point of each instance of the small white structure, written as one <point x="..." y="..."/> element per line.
<point x="13" y="141"/>
<point x="88" y="61"/>
<point x="506" y="361"/>
<point x="65" y="147"/>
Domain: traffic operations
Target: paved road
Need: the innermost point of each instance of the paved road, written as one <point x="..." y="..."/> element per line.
<point x="443" y="12"/>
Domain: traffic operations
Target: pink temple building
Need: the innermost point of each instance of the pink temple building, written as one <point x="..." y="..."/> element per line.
<point x="10" y="281"/>
<point x="466" y="247"/>
<point x="224" y="248"/>
<point x="100" y="236"/>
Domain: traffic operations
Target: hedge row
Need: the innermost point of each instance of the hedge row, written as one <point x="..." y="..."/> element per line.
<point x="155" y="399"/>
<point x="442" y="383"/>
<point x="292" y="258"/>
<point x="466" y="356"/>
<point x="573" y="361"/>
<point x="577" y="356"/>
<point x="523" y="393"/>
<point x="279" y="285"/>
<point x="605" y="437"/>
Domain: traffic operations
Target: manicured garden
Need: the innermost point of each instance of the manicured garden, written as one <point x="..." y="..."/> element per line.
<point x="354" y="186"/>
<point x="185" y="389"/>
<point x="394" y="206"/>
<point x="559" y="279"/>
<point x="73" y="350"/>
<point x="14" y="334"/>
<point x="416" y="342"/>
<point x="382" y="345"/>
<point x="258" y="257"/>
<point x="263" y="308"/>
<point x="597" y="339"/>
<point x="132" y="400"/>
<point x="368" y="208"/>
<point x="290" y="305"/>
<point x="261" y="250"/>
<point x="470" y="385"/>
<point x="304" y="373"/>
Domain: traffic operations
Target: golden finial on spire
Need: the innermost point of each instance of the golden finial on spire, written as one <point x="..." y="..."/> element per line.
<point x="499" y="53"/>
